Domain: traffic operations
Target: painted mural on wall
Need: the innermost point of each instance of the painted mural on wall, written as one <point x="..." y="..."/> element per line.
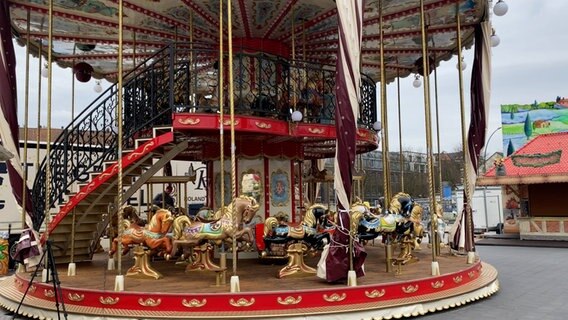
<point x="523" y="122"/>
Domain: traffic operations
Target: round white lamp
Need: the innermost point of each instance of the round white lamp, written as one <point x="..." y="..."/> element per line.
<point x="44" y="71"/>
<point x="377" y="126"/>
<point x="417" y="82"/>
<point x="98" y="88"/>
<point x="297" y="116"/>
<point x="495" y="40"/>
<point x="500" y="8"/>
<point x="463" y="64"/>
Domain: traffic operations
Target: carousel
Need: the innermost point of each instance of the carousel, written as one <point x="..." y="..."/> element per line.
<point x="260" y="92"/>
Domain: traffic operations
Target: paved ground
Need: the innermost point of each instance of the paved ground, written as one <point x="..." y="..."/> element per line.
<point x="533" y="285"/>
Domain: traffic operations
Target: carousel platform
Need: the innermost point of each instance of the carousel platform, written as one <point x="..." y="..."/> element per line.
<point x="410" y="291"/>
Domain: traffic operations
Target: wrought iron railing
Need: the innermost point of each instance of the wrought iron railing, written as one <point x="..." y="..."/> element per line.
<point x="183" y="77"/>
<point x="91" y="139"/>
<point x="267" y="86"/>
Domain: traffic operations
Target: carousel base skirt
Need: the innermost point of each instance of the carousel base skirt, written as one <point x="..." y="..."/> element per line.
<point x="194" y="295"/>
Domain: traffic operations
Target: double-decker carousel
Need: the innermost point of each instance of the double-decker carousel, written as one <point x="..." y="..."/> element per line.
<point x="260" y="92"/>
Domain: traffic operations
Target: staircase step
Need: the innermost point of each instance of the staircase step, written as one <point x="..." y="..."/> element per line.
<point x="141" y="141"/>
<point x="99" y="207"/>
<point x="158" y="131"/>
<point x="83" y="227"/>
<point x="66" y="237"/>
<point x="93" y="209"/>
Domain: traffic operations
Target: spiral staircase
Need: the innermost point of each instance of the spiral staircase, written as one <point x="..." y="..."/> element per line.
<point x="87" y="150"/>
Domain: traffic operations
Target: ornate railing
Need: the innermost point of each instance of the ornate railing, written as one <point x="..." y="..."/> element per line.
<point x="267" y="86"/>
<point x="184" y="78"/>
<point x="91" y="139"/>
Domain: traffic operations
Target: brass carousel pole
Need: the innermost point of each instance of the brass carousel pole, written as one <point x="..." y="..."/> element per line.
<point x="38" y="129"/>
<point x="294" y="79"/>
<point x="221" y="106"/>
<point x="400" y="154"/>
<point x="71" y="268"/>
<point x="428" y="123"/>
<point x="26" y="107"/>
<point x="223" y="254"/>
<point x="119" y="281"/>
<point x="434" y="212"/>
<point x="470" y="256"/>
<point x="48" y="138"/>
<point x="235" y="287"/>
<point x="385" y="135"/>
<point x="133" y="49"/>
<point x="192" y="94"/>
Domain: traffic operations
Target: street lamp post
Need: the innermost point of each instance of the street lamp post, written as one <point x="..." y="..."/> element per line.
<point x="485" y="187"/>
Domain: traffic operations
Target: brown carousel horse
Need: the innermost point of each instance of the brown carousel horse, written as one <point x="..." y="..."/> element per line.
<point x="154" y="236"/>
<point x="226" y="226"/>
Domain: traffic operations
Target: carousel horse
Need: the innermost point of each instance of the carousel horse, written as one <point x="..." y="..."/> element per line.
<point x="223" y="227"/>
<point x="226" y="226"/>
<point x="400" y="223"/>
<point x="314" y="231"/>
<point x="282" y="240"/>
<point x="130" y="218"/>
<point x="370" y="225"/>
<point x="154" y="236"/>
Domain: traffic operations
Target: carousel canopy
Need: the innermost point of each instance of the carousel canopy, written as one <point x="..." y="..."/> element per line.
<point x="86" y="30"/>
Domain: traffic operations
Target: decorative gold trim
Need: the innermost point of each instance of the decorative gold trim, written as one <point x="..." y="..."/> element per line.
<point x="375" y="293"/>
<point x="108" y="300"/>
<point x="194" y="303"/>
<point x="410" y="289"/>
<point x="471" y="274"/>
<point x="150" y="302"/>
<point x="335" y="297"/>
<point x="437" y="284"/>
<point x="242" y="302"/>
<point x="315" y="130"/>
<point x="263" y="125"/>
<point x="32" y="288"/>
<point x="49" y="293"/>
<point x="458" y="279"/>
<point x="289" y="300"/>
<point x="227" y="122"/>
<point x="75" y="296"/>
<point x="18" y="283"/>
<point x="190" y="121"/>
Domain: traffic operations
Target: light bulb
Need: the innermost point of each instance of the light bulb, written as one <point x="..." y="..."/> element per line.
<point x="417" y="82"/>
<point x="495" y="40"/>
<point x="500" y="8"/>
<point x="297" y="116"/>
<point x="377" y="126"/>
<point x="463" y="64"/>
<point x="45" y="71"/>
<point x="98" y="88"/>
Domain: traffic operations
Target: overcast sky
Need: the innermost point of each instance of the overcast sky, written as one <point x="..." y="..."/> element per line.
<point x="529" y="64"/>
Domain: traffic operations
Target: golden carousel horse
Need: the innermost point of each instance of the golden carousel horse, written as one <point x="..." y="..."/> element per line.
<point x="226" y="226"/>
<point x="154" y="235"/>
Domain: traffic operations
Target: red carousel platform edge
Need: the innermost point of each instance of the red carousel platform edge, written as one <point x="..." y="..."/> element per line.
<point x="385" y="300"/>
